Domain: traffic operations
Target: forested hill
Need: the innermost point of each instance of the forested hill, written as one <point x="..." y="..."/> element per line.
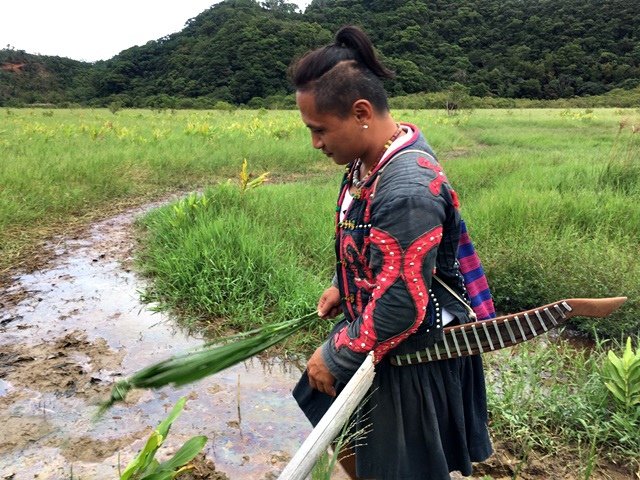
<point x="29" y="79"/>
<point x="238" y="50"/>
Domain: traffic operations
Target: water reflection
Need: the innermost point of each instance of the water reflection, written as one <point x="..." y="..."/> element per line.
<point x="80" y="326"/>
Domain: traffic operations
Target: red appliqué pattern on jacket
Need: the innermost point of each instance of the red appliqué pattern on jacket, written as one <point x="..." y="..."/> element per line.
<point x="454" y="198"/>
<point x="396" y="263"/>
<point x="441" y="178"/>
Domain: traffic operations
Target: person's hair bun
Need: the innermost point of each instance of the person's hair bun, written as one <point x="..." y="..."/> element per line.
<point x="346" y="35"/>
<point x="353" y="38"/>
<point x="342" y="72"/>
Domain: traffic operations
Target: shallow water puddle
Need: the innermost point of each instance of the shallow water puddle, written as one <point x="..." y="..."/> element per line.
<point x="80" y="327"/>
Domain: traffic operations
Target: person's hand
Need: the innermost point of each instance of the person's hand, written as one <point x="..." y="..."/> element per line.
<point x="329" y="303"/>
<point x="320" y="377"/>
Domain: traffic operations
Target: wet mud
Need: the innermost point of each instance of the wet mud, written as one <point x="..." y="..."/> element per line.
<point x="68" y="331"/>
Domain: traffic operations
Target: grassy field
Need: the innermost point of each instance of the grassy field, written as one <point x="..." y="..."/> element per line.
<point x="550" y="196"/>
<point x="64" y="167"/>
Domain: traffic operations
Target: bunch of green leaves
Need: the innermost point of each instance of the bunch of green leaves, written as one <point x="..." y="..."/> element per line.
<point x="622" y="378"/>
<point x="145" y="466"/>
<point x="198" y="364"/>
<point x="246" y="183"/>
<point x="184" y="209"/>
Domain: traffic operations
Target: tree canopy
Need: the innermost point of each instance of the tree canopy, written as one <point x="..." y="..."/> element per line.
<point x="238" y="51"/>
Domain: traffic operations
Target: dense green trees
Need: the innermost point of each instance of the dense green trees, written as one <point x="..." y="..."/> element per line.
<point x="239" y="50"/>
<point x="28" y="79"/>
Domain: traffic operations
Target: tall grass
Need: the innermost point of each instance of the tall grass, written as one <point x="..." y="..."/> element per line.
<point x="551" y="199"/>
<point x="545" y="224"/>
<point x="240" y="260"/>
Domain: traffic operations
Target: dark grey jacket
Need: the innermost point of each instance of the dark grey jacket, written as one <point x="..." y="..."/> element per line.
<point x="404" y="226"/>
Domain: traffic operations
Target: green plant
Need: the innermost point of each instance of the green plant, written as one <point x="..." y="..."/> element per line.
<point x="549" y="397"/>
<point x="224" y="106"/>
<point x="185" y="209"/>
<point x="245" y="178"/>
<point x="456" y="97"/>
<point x="622" y="378"/>
<point x="322" y="469"/>
<point x="145" y="466"/>
<point x="589" y="459"/>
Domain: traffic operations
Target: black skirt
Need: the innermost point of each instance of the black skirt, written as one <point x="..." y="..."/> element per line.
<point x="419" y="422"/>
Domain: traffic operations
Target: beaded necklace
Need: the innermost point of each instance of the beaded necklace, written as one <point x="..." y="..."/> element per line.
<point x="355" y="172"/>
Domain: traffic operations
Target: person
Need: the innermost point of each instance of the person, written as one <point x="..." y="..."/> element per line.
<point x="397" y="223"/>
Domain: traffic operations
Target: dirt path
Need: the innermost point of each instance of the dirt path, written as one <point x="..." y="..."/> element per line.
<point x="68" y="331"/>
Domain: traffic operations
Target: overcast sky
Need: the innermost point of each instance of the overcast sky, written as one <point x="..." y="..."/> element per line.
<point x="90" y="30"/>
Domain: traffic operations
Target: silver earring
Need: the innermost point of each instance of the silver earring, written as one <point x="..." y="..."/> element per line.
<point x="365" y="126"/>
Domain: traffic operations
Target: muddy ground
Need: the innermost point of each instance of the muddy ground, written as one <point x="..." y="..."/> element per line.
<point x="72" y="328"/>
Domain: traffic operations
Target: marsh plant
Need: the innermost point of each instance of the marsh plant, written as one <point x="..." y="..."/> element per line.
<point x="342" y="447"/>
<point x="246" y="182"/>
<point x="145" y="466"/>
<point x="622" y="378"/>
<point x="543" y="195"/>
